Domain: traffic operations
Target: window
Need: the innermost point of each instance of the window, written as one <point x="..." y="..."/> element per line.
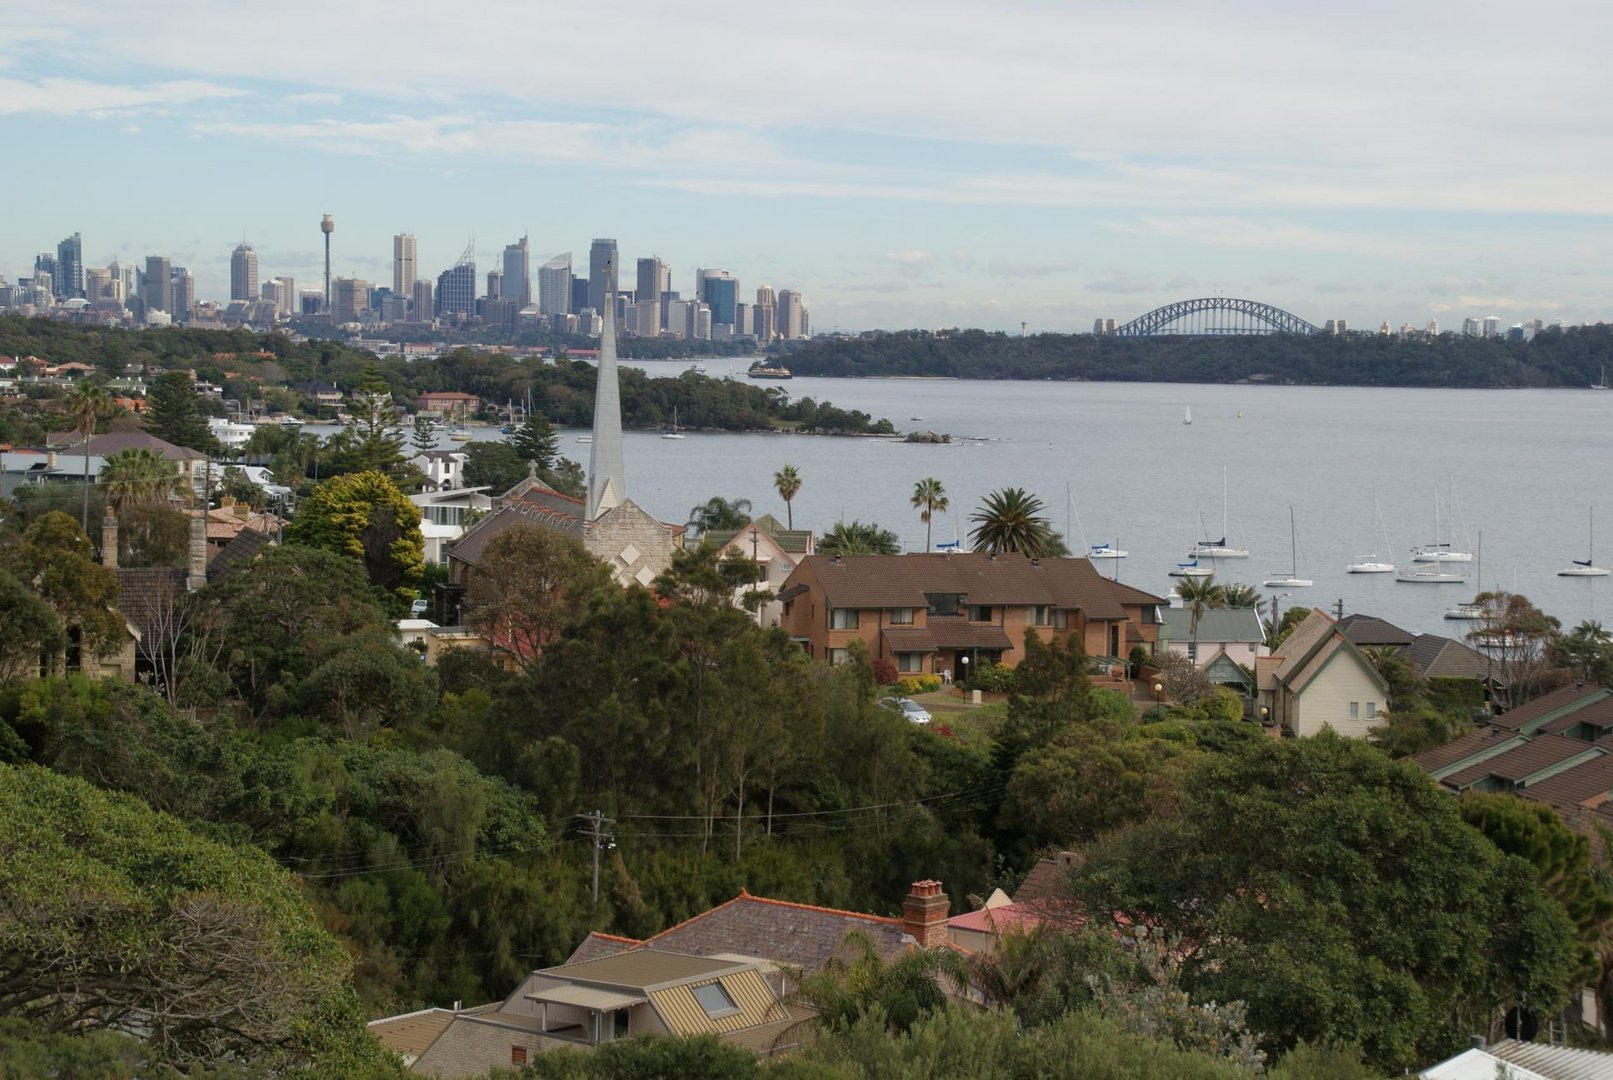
<point x="902" y="616"/>
<point x="1041" y="615"/>
<point x="1355" y="710"/>
<point x="1193" y="651"/>
<point x="619" y="1024"/>
<point x="517" y="1055"/>
<point x="979" y="613"/>
<point x="910" y="662"/>
<point x="1150" y="615"/>
<point x="1372" y="709"/>
<point x="842" y="618"/>
<point x="835" y="656"/>
<point x="715" y="1000"/>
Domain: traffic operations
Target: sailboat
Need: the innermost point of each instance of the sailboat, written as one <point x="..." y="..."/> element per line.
<point x="1191" y="569"/>
<point x="1106" y="550"/>
<point x="1369" y="564"/>
<point x="1440" y="551"/>
<point x="1472" y="611"/>
<point x="1218" y="549"/>
<point x="1187" y="414"/>
<point x="674" y="433"/>
<point x="1587" y="568"/>
<point x="1293" y="580"/>
<point x="1601" y="384"/>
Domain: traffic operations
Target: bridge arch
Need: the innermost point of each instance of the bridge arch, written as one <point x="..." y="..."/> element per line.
<point x="1222" y="316"/>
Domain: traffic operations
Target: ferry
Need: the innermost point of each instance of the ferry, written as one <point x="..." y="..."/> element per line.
<point x="764" y="369"/>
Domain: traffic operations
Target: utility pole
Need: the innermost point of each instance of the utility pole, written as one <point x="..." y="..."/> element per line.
<point x="602" y="837"/>
<point x="1338" y="610"/>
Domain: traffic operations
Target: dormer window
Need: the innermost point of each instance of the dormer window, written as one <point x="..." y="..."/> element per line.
<point x="715" y="1000"/>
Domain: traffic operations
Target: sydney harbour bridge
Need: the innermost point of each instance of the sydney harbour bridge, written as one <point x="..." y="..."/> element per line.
<point x="1214" y="316"/>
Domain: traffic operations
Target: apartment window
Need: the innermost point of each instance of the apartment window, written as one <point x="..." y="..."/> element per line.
<point x="902" y="616"/>
<point x="1041" y="615"/>
<point x="715" y="1000"/>
<point x="979" y="613"/>
<point x="835" y="656"/>
<point x="842" y="618"/>
<point x="517" y="1055"/>
<point x="910" y="662"/>
<point x="1150" y="615"/>
<point x="1061" y="619"/>
<point x="1372" y="710"/>
<point x="1355" y="710"/>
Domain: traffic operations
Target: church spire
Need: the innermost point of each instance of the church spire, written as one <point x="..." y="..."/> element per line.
<point x="607" y="471"/>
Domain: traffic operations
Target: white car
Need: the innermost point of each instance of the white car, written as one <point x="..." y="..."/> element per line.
<point x="908" y="708"/>
<point x="419" y="607"/>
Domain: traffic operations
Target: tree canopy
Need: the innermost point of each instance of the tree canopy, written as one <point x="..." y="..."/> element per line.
<point x="364" y="516"/>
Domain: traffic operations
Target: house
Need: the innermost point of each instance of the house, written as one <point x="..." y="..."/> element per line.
<point x="1511" y="1059"/>
<point x="775" y="549"/>
<point x="1224" y="645"/>
<point x="445" y="515"/>
<point x="443" y="469"/>
<point x="447" y="403"/>
<point x="71" y="450"/>
<point x="628" y="539"/>
<point x="586" y="1003"/>
<point x="934" y="613"/>
<point x="1370" y="632"/>
<point x="1317" y="678"/>
<point x="981" y="931"/>
<point x="320" y="392"/>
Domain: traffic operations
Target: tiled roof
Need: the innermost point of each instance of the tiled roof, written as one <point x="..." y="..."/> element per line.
<point x="957" y="632"/>
<point x="892" y="581"/>
<point x="118" y="441"/>
<point x="247" y="546"/>
<point x="1474" y="742"/>
<point x="1306" y="638"/>
<point x="1589" y="783"/>
<point x="794" y="541"/>
<point x="146" y="596"/>
<point x="799" y="935"/>
<point x="1525" y="716"/>
<point x="1597" y="714"/>
<point x="1519" y="763"/>
<point x="1367" y="630"/>
<point x="909" y="639"/>
<point x="597" y="946"/>
<point x="1216" y="625"/>
<point x="995" y="920"/>
<point x="1046" y="879"/>
<point x="1438" y="657"/>
<point x="530" y="502"/>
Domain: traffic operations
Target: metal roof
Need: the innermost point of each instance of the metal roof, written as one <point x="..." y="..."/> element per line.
<point x="642" y="968"/>
<point x="586" y="997"/>
<point x="1216" y="625"/>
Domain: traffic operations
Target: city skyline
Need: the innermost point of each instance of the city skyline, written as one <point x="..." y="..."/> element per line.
<point x="923" y="167"/>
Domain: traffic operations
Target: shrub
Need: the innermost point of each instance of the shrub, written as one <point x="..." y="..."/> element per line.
<point x="994" y="679"/>
<point x="884" y="672"/>
<point x="918" y="684"/>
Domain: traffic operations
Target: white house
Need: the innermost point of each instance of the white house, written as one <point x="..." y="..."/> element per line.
<point x="1317" y="679"/>
<point x="446" y="514"/>
<point x="444" y="469"/>
<point x="776" y="549"/>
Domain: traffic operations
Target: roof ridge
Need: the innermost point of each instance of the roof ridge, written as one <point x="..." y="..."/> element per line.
<point x="615" y="937"/>
<point x="822" y="910"/>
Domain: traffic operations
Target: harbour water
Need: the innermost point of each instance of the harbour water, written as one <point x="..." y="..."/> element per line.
<point x="1524" y="468"/>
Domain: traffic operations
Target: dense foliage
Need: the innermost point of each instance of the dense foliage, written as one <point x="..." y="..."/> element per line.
<point x="1556" y="357"/>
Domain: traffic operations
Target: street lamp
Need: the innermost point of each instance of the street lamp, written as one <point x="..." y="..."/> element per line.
<point x="963" y="668"/>
<point x="1159" y="690"/>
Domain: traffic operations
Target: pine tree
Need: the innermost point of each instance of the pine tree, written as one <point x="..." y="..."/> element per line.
<point x="173" y="415"/>
<point x="536" y="441"/>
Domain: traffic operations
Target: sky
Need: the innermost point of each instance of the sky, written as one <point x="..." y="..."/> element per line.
<point x="902" y="163"/>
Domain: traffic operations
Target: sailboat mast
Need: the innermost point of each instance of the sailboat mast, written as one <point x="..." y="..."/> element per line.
<point x="1223" y="505"/>
<point x="1293" y="546"/>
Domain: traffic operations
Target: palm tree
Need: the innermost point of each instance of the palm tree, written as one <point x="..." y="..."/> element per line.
<point x="788" y="483"/>
<point x="1010" y="521"/>
<point x="717" y="514"/>
<point x="141" y="476"/>
<point x="87" y="403"/>
<point x="931" y="499"/>
<point x="858" y="539"/>
<point x="1243" y="596"/>
<point x="1199" y="595"/>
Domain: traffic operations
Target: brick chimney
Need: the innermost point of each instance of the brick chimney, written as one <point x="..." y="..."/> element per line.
<point x="109" y="540"/>
<point x="197" y="576"/>
<point x="924" y="914"/>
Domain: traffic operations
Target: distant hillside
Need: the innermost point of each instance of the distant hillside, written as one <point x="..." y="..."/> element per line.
<point x="1573" y="357"/>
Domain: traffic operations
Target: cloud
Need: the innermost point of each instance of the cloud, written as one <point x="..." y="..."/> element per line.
<point x="911" y="264"/>
<point x="1121" y="281"/>
<point x="1019" y="268"/>
<point x="313" y="97"/>
<point x="1336" y="287"/>
<point x="1181" y="281"/>
<point x="78" y="97"/>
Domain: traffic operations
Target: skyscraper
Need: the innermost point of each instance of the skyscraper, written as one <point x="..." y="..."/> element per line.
<point x="518" y="273"/>
<point x="351" y="298"/>
<point x="244" y="273"/>
<point x="403" y="263"/>
<point x="182" y="292"/>
<point x="288" y="295"/>
<point x="70" y="267"/>
<point x="47" y="269"/>
<point x="421" y="307"/>
<point x="720" y="290"/>
<point x="456" y="288"/>
<point x="602" y="267"/>
<point x="554" y="286"/>
<point x="654" y="278"/>
<point x="790" y="315"/>
<point x="159" y="288"/>
<point x="607" y="468"/>
<point x="495" y="285"/>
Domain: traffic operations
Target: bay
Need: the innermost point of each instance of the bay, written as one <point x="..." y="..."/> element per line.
<point x="1524" y="466"/>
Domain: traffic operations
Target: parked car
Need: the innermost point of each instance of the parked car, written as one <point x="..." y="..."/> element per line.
<point x="419" y="607"/>
<point x="909" y="708"/>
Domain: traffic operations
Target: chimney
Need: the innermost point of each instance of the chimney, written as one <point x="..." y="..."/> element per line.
<point x="50" y="459"/>
<point x="924" y="914"/>
<point x="198" y="553"/>
<point x="109" y="540"/>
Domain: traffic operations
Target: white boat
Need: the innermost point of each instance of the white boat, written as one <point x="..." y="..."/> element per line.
<point x="585" y="438"/>
<point x="1430" y="575"/>
<point x="1601" y="384"/>
<point x="1470" y="612"/>
<point x="1105" y="551"/>
<point x="1218" y="549"/>
<point x="698" y="369"/>
<point x="1587" y="568"/>
<point x="1369" y="564"/>
<point x="1191" y="569"/>
<point x="674" y="433"/>
<point x="1187" y="415"/>
<point x="1438" y="551"/>
<point x="1292" y="580"/>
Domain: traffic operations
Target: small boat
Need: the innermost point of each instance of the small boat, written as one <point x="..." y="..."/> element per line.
<point x="1187" y="415"/>
<point x="460" y="436"/>
<point x="1191" y="569"/>
<point x="1218" y="549"/>
<point x="698" y="369"/>
<point x="1105" y="551"/>
<point x="674" y="433"/>
<point x="1292" y="580"/>
<point x="507" y="429"/>
<point x="1430" y="575"/>
<point x="1438" y="551"/>
<point x="915" y="417"/>
<point x="585" y="438"/>
<point x="291" y="422"/>
<point x="1601" y="384"/>
<point x="1470" y="612"/>
<point x="1370" y="565"/>
<point x="1586" y="567"/>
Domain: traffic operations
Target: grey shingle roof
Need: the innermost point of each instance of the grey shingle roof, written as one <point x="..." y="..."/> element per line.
<point x="799" y="935"/>
<point x="118" y="441"/>
<point x="1216" y="625"/>
<point x="1367" y="630"/>
<point x="1438" y="657"/>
